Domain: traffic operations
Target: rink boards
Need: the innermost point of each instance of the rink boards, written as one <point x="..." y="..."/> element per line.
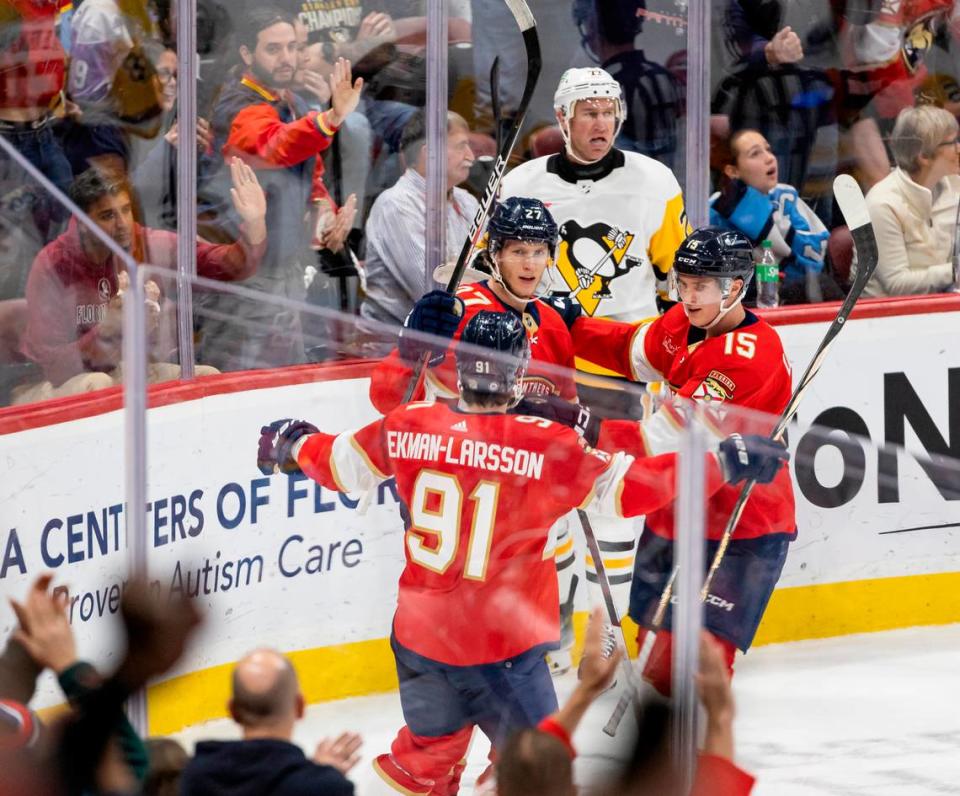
<point x="281" y="561"/>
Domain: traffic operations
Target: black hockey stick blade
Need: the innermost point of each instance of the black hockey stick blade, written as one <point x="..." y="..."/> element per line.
<point x="531" y="42"/>
<point x="495" y="101"/>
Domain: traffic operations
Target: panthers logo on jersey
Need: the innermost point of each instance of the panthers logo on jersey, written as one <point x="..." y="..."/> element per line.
<point x="590" y="258"/>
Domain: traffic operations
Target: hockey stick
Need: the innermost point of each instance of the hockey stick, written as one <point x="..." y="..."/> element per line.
<point x="495" y="100"/>
<point x="611" y="606"/>
<point x="854" y="209"/>
<point x="531" y="42"/>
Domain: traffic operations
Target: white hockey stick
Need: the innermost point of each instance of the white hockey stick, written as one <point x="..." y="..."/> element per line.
<point x="854" y="208"/>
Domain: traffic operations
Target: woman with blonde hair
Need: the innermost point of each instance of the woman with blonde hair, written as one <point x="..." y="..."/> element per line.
<point x="914" y="208"/>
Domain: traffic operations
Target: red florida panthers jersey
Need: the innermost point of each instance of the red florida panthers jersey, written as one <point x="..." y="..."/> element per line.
<point x="745" y="367"/>
<point x="481" y="492"/>
<point x="550" y="345"/>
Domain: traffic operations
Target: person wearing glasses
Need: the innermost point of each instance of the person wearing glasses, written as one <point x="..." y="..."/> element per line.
<point x="914" y="208"/>
<point x="153" y="161"/>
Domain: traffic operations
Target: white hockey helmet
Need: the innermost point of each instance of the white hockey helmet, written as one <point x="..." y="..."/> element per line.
<point x="590" y="82"/>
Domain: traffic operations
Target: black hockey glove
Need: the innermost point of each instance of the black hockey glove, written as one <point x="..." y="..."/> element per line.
<point x="568" y="308"/>
<point x="276" y="444"/>
<point x="438" y="313"/>
<point x="575" y="416"/>
<point x="753" y="457"/>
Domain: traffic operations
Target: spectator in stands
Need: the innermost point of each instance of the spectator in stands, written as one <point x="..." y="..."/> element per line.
<point x="32" y="76"/>
<point x="153" y="161"/>
<point x="74" y="295"/>
<point x="652" y="94"/>
<point x="347" y="161"/>
<point x="538" y="761"/>
<point x="367" y="33"/>
<point x="266" y="702"/>
<point x="754" y="201"/>
<point x="396" y="229"/>
<point x="168" y="759"/>
<point x="260" y="120"/>
<point x="331" y="222"/>
<point x="914" y="208"/>
<point x="768" y="88"/>
<point x="112" y="82"/>
<point x="94" y="750"/>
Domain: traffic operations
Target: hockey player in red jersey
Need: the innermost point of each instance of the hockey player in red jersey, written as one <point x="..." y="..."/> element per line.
<point x="477" y="604"/>
<point x="522" y="239"/>
<point x="521" y="244"/>
<point x="711" y="350"/>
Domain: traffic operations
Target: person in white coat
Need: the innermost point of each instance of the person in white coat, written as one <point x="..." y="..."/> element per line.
<point x="914" y="208"/>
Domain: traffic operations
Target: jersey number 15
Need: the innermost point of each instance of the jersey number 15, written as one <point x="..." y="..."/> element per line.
<point x="744" y="343"/>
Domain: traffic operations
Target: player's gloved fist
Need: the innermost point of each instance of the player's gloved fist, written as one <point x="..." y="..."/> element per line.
<point x="552" y="407"/>
<point x="275" y="451"/>
<point x="568" y="308"/>
<point x="438" y="313"/>
<point x="751" y="458"/>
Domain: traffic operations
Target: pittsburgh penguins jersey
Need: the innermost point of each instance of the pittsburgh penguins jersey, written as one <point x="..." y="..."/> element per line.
<point x="621" y="220"/>
<point x="551" y="355"/>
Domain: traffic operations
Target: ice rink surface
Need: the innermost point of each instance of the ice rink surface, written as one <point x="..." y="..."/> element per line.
<point x="868" y="714"/>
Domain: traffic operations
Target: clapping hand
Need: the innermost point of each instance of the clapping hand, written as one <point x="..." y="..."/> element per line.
<point x="341" y="225"/>
<point x="344" y="92"/>
<point x="204" y="135"/>
<point x="600" y="659"/>
<point x="375" y="29"/>
<point x="249" y="200"/>
<point x="44" y="630"/>
<point x="342" y="753"/>
<point x="316" y="85"/>
<point x="784" y="48"/>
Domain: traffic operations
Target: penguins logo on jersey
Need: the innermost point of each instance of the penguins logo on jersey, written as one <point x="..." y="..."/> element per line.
<point x="590" y="258"/>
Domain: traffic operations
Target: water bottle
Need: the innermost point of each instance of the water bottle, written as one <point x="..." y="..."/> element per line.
<point x="768" y="278"/>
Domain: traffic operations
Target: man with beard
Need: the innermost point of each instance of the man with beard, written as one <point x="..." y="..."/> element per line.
<point x="261" y="120"/>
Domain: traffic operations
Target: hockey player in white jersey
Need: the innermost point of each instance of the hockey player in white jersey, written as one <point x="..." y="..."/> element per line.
<point x="621" y="214"/>
<point x="621" y="218"/>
